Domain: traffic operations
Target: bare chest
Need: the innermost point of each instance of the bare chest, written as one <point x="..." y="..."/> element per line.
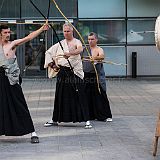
<point x="8" y="51"/>
<point x="72" y="45"/>
<point x="94" y="52"/>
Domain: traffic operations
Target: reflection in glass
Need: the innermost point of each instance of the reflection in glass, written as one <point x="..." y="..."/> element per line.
<point x="109" y="31"/>
<point x="118" y="55"/>
<point x="34" y="53"/>
<point x="135" y="34"/>
<point x="101" y="8"/>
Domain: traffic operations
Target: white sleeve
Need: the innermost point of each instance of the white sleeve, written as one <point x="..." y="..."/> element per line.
<point x="50" y="54"/>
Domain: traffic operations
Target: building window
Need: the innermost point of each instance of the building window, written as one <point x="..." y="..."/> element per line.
<point x="101" y="8"/>
<point x="136" y="34"/>
<point x="109" y="31"/>
<point x="143" y="8"/>
<point x="69" y="8"/>
<point x="10" y="9"/>
<point x="115" y="54"/>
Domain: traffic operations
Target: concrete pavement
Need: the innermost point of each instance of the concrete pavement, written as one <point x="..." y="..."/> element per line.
<point x="134" y="104"/>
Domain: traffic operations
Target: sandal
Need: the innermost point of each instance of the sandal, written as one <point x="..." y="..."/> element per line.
<point x="88" y="126"/>
<point x="34" y="139"/>
<point x="109" y="120"/>
<point x="48" y="124"/>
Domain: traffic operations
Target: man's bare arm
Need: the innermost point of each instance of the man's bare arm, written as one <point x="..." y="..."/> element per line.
<point x="30" y="36"/>
<point x="78" y="50"/>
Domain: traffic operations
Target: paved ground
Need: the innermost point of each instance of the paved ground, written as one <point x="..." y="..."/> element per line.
<point x="134" y="103"/>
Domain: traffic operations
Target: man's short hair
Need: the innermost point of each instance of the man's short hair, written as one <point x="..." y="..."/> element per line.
<point x="69" y="25"/>
<point x="93" y="34"/>
<point x="3" y="26"/>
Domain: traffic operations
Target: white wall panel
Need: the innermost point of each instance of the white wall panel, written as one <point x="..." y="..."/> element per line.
<point x="148" y="60"/>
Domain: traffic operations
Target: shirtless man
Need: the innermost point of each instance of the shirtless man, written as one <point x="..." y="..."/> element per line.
<point x="70" y="101"/>
<point x="15" y="119"/>
<point x="98" y="102"/>
<point x="9" y="47"/>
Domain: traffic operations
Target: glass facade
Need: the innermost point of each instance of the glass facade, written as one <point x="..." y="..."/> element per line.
<point x="136" y="31"/>
<point x="143" y="8"/>
<point x="34" y="52"/>
<point x="119" y="24"/>
<point x="17" y="9"/>
<point x="109" y="32"/>
<point x="9" y="9"/>
<point x="101" y="8"/>
<point x="35" y="49"/>
<point x="68" y="8"/>
<point x="117" y="55"/>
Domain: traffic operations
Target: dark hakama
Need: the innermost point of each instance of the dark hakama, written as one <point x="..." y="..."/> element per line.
<point x="98" y="102"/>
<point x="99" y="106"/>
<point x="15" y="119"/>
<point x="70" y="105"/>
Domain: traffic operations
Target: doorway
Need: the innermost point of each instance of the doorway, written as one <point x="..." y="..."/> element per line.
<point x="34" y="56"/>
